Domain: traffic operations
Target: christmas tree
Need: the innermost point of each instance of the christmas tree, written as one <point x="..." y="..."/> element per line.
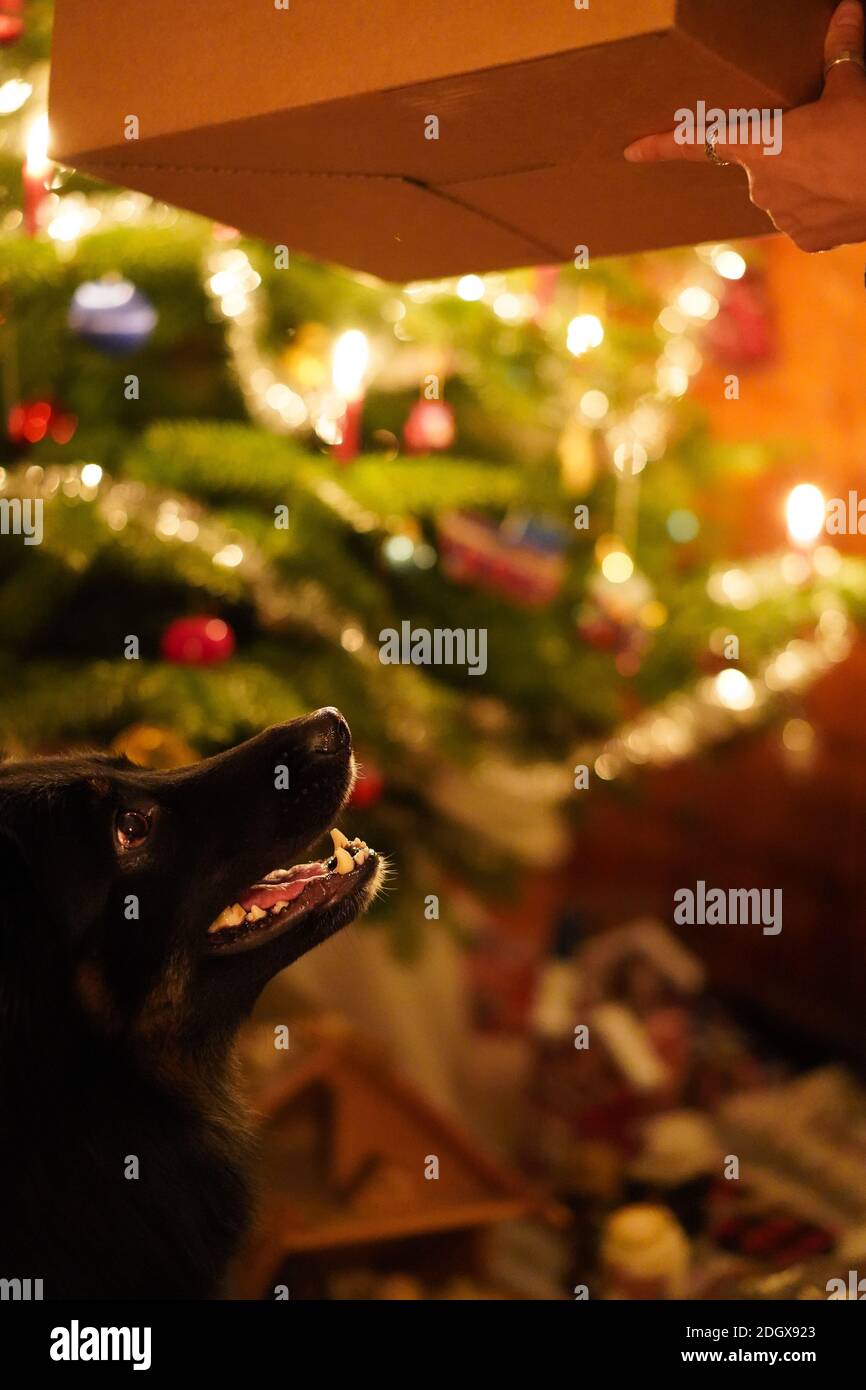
<point x="253" y="467"/>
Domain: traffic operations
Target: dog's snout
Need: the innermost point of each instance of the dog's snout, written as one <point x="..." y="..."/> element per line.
<point x="328" y="732"/>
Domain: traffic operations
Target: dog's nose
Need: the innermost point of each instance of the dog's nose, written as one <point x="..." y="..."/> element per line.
<point x="328" y="732"/>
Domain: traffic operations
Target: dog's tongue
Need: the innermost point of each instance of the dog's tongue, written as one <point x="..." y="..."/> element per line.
<point x="282" y="886"/>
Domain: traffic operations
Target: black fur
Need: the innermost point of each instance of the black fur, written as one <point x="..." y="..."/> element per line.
<point x="116" y="1034"/>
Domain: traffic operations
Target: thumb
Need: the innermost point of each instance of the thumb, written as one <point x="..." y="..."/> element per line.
<point x="845" y="37"/>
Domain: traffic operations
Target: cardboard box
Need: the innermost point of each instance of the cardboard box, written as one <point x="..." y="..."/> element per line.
<point x="306" y="125"/>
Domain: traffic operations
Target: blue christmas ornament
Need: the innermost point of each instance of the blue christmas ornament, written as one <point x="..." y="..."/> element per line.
<point x="112" y="316"/>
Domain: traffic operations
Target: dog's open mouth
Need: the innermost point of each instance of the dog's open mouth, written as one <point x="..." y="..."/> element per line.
<point x="284" y="897"/>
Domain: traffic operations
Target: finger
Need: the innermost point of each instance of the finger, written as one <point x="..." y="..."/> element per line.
<point x="845" y="35"/>
<point x="659" y="149"/>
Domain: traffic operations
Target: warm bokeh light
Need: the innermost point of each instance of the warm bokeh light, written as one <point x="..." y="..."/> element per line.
<point x="672" y="381"/>
<point x="682" y="526"/>
<point x="13" y="95"/>
<point x="470" y="288"/>
<point x="617" y="567"/>
<point x="728" y="263"/>
<point x="697" y="303"/>
<point x="509" y="307"/>
<point x="804" y="511"/>
<point x="594" y="405"/>
<point x="798" y="736"/>
<point x="584" y="332"/>
<point x="734" y="690"/>
<point x="630" y="457"/>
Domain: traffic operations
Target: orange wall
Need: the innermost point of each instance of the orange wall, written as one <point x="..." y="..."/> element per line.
<point x="813" y="394"/>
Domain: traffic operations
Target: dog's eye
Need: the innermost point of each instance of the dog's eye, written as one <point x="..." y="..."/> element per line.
<point x="131" y="828"/>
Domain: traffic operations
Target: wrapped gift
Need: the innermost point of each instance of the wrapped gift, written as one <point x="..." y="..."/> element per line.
<point x="522" y="558"/>
<point x="410" y="139"/>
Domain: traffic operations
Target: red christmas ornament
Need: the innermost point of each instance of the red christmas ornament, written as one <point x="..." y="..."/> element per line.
<point x="743" y="333"/>
<point x="429" y="426"/>
<point x="199" y="641"/>
<point x="11" y="21"/>
<point x="605" y="636"/>
<point x="710" y="662"/>
<point x="30" y="422"/>
<point x="369" y="786"/>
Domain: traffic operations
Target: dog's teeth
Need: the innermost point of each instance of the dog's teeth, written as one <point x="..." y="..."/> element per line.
<point x="229" y="917"/>
<point x="345" y="862"/>
<point x="339" y="839"/>
<point x="360" y="855"/>
<point x="256" y="913"/>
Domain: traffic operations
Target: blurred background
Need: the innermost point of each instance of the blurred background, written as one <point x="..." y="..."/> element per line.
<point x="620" y="472"/>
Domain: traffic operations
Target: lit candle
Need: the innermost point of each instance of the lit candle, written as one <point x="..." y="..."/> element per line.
<point x="37" y="168"/>
<point x="350" y="361"/>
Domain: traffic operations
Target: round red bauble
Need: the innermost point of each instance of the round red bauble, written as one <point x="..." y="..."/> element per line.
<point x="743" y="331"/>
<point x="199" y="641"/>
<point x="429" y="425"/>
<point x="11" y="21"/>
<point x="599" y="633"/>
<point x="30" y="422"/>
<point x="711" y="662"/>
<point x="369" y="786"/>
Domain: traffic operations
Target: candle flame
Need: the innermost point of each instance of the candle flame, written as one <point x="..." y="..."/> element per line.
<point x="350" y="361"/>
<point x="37" y="161"/>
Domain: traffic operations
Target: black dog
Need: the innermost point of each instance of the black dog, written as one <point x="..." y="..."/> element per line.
<point x="141" y="913"/>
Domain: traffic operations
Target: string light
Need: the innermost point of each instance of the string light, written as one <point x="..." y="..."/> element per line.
<point x="734" y="587"/>
<point x="470" y="288"/>
<point x="629" y="456"/>
<point x="696" y="302"/>
<point x="233" y="284"/>
<point x="617" y="566"/>
<point x="13" y="95"/>
<point x="594" y="405"/>
<point x="671" y="381"/>
<point x="676" y="729"/>
<point x="728" y="263"/>
<point x="584" y="332"/>
<point x="229" y="557"/>
<point x="714" y="709"/>
<point x="798" y="736"/>
<point x="734" y="690"/>
<point x="75" y="216"/>
<point x="672" y="320"/>
<point x="826" y="561"/>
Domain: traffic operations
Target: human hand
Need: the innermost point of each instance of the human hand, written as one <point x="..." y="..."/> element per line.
<point x="814" y="189"/>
